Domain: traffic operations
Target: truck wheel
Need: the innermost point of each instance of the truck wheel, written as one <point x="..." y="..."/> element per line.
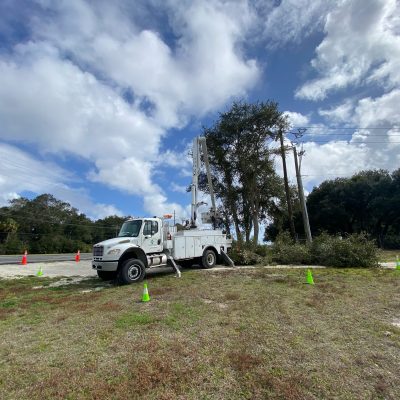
<point x="131" y="271"/>
<point x="209" y="259"/>
<point x="107" y="275"/>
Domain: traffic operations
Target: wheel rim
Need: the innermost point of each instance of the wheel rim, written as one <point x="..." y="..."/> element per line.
<point x="210" y="258"/>
<point x="133" y="272"/>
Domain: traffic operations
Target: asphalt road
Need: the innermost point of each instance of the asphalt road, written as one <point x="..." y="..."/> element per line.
<point x="35" y="258"/>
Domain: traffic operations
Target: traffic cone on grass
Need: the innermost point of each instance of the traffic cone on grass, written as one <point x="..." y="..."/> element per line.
<point x="146" y="296"/>
<point x="24" y="260"/>
<point x="397" y="263"/>
<point x="78" y="256"/>
<point x="310" y="279"/>
<point x="40" y="272"/>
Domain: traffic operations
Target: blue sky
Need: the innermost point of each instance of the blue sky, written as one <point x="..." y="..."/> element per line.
<point x="100" y="100"/>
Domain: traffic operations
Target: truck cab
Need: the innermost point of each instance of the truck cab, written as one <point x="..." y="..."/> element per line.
<point x="137" y="239"/>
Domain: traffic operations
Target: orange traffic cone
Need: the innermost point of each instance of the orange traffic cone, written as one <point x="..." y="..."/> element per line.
<point x="24" y="258"/>
<point x="78" y="256"/>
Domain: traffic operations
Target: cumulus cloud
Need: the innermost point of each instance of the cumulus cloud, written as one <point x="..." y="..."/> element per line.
<point x="64" y="89"/>
<point x="361" y="49"/>
<point x="342" y="113"/>
<point x="297" y="119"/>
<point x="22" y="172"/>
<point x="361" y="46"/>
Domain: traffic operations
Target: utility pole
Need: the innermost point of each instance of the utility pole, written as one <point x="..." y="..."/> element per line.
<point x="304" y="212"/>
<point x="285" y="178"/>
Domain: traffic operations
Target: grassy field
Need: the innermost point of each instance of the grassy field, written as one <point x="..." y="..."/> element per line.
<point x="235" y="334"/>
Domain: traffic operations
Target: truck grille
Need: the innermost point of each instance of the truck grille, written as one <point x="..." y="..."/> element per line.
<point x="98" y="251"/>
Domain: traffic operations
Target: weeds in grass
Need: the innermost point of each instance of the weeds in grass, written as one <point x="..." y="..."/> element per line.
<point x="134" y="319"/>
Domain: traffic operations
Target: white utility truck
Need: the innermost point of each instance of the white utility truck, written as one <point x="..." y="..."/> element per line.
<point x="144" y="243"/>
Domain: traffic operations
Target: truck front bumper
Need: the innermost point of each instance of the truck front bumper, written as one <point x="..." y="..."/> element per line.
<point x="105" y="265"/>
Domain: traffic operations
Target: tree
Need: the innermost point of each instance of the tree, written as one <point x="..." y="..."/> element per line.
<point x="46" y="224"/>
<point x="366" y="202"/>
<point x="8" y="227"/>
<point x="242" y="163"/>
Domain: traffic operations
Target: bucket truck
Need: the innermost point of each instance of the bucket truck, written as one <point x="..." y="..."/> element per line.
<point x="145" y="243"/>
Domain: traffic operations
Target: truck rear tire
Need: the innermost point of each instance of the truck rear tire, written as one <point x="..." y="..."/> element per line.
<point x="209" y="259"/>
<point x="107" y="275"/>
<point x="131" y="271"/>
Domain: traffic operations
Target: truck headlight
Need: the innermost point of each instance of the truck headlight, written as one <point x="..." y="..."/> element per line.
<point x="114" y="252"/>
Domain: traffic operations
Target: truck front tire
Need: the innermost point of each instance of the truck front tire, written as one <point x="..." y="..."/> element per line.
<point x="131" y="271"/>
<point x="209" y="259"/>
<point x="107" y="275"/>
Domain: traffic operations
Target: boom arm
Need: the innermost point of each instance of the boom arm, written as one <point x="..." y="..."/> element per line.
<point x="199" y="143"/>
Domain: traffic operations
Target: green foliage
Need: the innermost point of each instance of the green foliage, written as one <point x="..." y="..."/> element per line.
<point x="353" y="251"/>
<point x="47" y="225"/>
<point x="366" y="202"/>
<point x="245" y="254"/>
<point x="242" y="164"/>
<point x="284" y="251"/>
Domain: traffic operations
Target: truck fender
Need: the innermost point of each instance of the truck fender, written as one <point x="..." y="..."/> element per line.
<point x="133" y="252"/>
<point x="213" y="249"/>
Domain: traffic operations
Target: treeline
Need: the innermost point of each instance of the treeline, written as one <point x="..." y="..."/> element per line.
<point x="48" y="225"/>
<point x="368" y="202"/>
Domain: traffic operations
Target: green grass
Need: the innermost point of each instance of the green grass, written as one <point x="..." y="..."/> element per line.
<point x="234" y="334"/>
<point x="133" y="319"/>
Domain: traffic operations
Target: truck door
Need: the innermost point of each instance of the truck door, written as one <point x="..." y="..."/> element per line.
<point x="151" y="242"/>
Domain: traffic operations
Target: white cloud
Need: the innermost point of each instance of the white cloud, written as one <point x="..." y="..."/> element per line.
<point x="381" y="110"/>
<point x="293" y="20"/>
<point x="297" y="119"/>
<point x="361" y="49"/>
<point x="362" y="45"/>
<point x="341" y="113"/>
<point x="178" y="188"/>
<point x="61" y="90"/>
<point x="21" y="172"/>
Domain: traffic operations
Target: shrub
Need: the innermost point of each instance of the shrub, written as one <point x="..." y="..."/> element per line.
<point x="245" y="254"/>
<point x="355" y="250"/>
<point x="284" y="251"/>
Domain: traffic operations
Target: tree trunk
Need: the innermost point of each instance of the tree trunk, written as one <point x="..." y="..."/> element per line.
<point x="236" y="223"/>
<point x="256" y="226"/>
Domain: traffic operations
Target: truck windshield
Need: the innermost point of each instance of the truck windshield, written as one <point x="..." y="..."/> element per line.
<point x="130" y="228"/>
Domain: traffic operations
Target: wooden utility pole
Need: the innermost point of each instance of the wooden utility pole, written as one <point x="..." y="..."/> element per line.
<point x="285" y="178"/>
<point x="304" y="212"/>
